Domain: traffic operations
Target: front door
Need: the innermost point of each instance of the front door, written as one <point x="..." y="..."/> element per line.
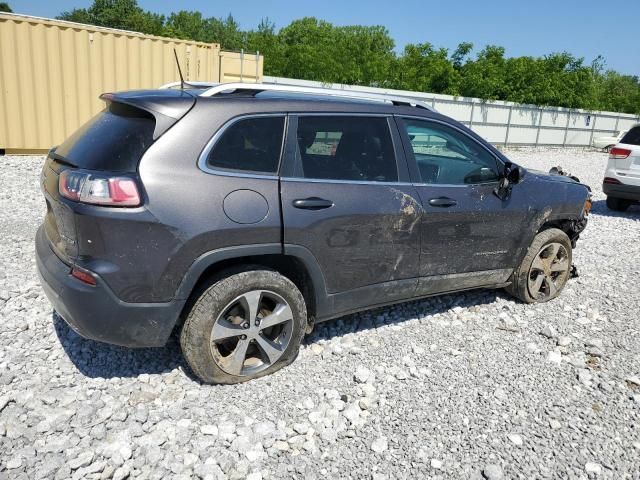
<point x="470" y="237"/>
<point x="347" y="200"/>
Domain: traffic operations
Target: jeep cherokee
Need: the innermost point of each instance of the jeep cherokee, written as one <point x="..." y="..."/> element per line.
<point x="242" y="214"/>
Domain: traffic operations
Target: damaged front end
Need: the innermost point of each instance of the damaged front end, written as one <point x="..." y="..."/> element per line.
<point x="575" y="227"/>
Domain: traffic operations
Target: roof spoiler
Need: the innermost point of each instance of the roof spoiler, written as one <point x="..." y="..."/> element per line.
<point x="166" y="106"/>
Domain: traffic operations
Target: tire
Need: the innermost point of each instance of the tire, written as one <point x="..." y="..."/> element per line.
<point x="545" y="269"/>
<point x="618" y="204"/>
<point x="211" y="337"/>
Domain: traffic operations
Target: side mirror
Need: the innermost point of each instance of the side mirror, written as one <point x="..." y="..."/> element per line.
<point x="511" y="175"/>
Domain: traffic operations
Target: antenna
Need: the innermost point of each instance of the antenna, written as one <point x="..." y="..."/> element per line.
<point x="179" y="70"/>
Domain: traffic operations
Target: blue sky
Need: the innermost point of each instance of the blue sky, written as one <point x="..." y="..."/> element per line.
<point x="585" y="28"/>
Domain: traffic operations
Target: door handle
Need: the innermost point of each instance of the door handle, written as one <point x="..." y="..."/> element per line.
<point x="312" y="203"/>
<point x="442" y="202"/>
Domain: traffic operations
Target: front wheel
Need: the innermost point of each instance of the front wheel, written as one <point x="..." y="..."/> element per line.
<point x="245" y="326"/>
<point x="545" y="269"/>
<point x="618" y="204"/>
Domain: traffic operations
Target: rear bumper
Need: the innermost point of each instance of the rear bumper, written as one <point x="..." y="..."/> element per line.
<point x="95" y="312"/>
<point x="628" y="192"/>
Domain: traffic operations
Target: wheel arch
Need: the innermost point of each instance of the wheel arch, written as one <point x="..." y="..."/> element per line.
<point x="571" y="226"/>
<point x="302" y="270"/>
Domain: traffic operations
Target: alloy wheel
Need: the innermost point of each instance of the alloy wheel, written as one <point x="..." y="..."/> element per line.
<point x="548" y="271"/>
<point x="252" y="333"/>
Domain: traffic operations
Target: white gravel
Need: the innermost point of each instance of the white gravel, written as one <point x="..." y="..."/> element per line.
<point x="473" y="385"/>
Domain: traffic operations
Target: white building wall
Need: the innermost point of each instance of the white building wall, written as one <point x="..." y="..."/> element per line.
<point x="507" y="123"/>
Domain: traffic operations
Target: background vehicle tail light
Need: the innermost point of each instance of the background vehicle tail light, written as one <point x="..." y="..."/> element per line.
<point x="99" y="190"/>
<point x="616" y="152"/>
<point x="613" y="181"/>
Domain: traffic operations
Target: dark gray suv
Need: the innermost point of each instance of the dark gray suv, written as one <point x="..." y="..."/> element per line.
<point x="245" y="213"/>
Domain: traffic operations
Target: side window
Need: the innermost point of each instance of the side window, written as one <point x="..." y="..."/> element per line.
<point x="249" y="145"/>
<point x="632" y="137"/>
<point x="446" y="156"/>
<point x="346" y="148"/>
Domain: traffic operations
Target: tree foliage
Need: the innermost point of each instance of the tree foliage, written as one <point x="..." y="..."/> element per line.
<point x="123" y="14"/>
<point x="314" y="49"/>
<point x="4" y="7"/>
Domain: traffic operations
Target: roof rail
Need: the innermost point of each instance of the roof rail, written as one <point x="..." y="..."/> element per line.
<point x="188" y="83"/>
<point x="267" y="87"/>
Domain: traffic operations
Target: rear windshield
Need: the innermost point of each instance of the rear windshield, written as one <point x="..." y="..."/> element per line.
<point x="632" y="137"/>
<point x="115" y="139"/>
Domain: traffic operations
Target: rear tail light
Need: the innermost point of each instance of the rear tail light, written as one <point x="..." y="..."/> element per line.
<point x="610" y="180"/>
<point x="99" y="190"/>
<point x="616" y="152"/>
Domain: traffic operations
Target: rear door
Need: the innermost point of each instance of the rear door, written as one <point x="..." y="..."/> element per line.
<point x="469" y="236"/>
<point x="347" y="200"/>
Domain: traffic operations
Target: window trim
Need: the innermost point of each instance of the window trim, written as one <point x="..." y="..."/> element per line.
<point x="411" y="160"/>
<point x="396" y="145"/>
<point x="204" y="155"/>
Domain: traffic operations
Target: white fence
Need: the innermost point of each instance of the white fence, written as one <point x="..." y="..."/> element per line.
<point x="506" y="123"/>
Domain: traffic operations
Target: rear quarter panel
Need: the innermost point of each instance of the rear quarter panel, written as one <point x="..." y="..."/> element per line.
<point x="188" y="202"/>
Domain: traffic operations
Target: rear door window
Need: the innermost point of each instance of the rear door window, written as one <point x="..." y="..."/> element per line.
<point x="352" y="148"/>
<point x="115" y="139"/>
<point x="251" y="145"/>
<point x="632" y="137"/>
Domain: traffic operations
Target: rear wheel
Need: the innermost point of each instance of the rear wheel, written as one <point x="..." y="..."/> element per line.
<point x="245" y="326"/>
<point x="618" y="204"/>
<point x="545" y="269"/>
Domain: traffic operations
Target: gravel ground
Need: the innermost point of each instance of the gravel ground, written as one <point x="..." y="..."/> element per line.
<point x="473" y="385"/>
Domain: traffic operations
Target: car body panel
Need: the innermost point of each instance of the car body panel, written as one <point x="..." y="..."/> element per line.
<point x="358" y="241"/>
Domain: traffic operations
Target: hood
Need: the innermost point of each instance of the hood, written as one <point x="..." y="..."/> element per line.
<point x="556" y="174"/>
<point x="556" y="177"/>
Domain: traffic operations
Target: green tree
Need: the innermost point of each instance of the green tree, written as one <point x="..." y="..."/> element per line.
<point x="460" y="54"/>
<point x="187" y="25"/>
<point x="317" y="50"/>
<point x="4" y="7"/>
<point x="227" y="33"/>
<point x="307" y="46"/>
<point x="365" y="55"/>
<point x="618" y="93"/>
<point x="426" y="69"/>
<point x="484" y="77"/>
<point x="266" y="41"/>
